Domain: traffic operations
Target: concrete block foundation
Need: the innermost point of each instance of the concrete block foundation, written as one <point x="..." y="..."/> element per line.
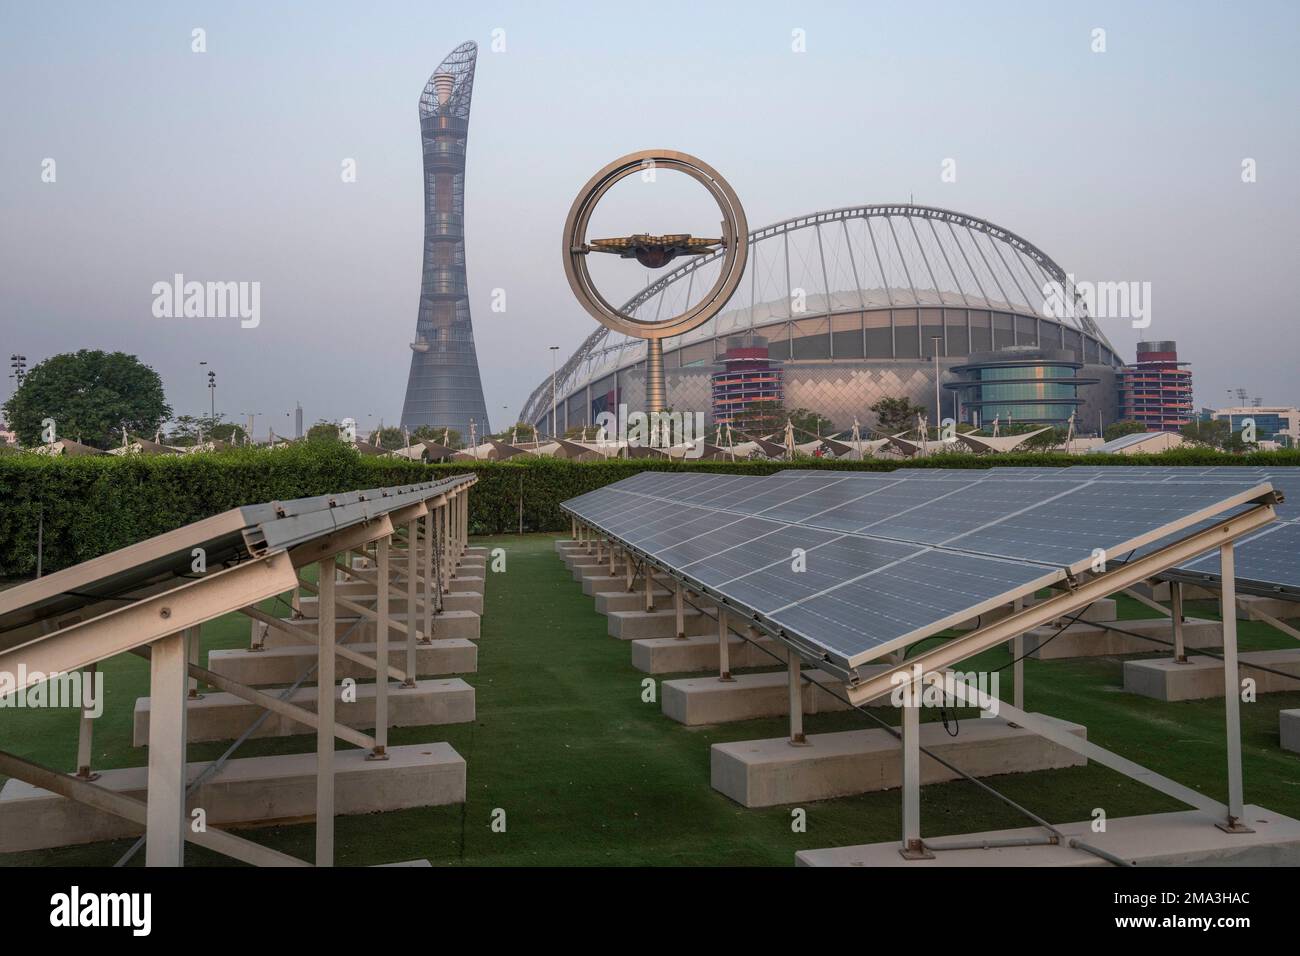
<point x="706" y="700"/>
<point x="639" y="625"/>
<point x="1185" y="838"/>
<point x="766" y="773"/>
<point x="1289" y="729"/>
<point x="1088" y="639"/>
<point x="221" y="716"/>
<point x="284" y="665"/>
<point x="247" y="790"/>
<point x="1201" y="677"/>
<point x="668" y="655"/>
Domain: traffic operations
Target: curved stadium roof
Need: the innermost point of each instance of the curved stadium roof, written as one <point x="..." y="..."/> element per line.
<point x="848" y="260"/>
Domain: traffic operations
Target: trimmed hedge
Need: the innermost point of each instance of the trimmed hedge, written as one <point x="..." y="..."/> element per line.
<point x="93" y="505"/>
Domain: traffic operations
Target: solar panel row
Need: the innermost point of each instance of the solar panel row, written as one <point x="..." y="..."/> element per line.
<point x="1267" y="562"/>
<point x="860" y="564"/>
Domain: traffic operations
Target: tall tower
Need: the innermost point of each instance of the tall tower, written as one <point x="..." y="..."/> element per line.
<point x="444" y="388"/>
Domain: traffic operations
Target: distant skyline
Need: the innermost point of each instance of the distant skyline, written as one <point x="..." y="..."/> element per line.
<point x="228" y="166"/>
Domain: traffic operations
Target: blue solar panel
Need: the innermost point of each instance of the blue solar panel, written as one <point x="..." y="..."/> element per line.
<point x="860" y="564"/>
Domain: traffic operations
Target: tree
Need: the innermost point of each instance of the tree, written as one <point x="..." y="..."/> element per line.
<point x="1120" y="429"/>
<point x="324" y="431"/>
<point x="894" y="415"/>
<point x="434" y="434"/>
<point x="763" y="417"/>
<point x="388" y="438"/>
<point x="90" y="395"/>
<point x="809" y="424"/>
<point x="1216" y="432"/>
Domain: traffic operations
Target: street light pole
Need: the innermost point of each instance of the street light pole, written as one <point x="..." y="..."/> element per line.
<point x="938" y="411"/>
<point x="555" y="424"/>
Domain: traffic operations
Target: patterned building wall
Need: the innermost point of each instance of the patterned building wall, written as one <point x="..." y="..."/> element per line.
<point x="841" y="391"/>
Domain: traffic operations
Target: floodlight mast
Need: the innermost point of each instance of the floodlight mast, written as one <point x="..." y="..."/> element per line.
<point x="656" y="251"/>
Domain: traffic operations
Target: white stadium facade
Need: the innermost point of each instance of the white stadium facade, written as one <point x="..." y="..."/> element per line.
<point x="850" y="306"/>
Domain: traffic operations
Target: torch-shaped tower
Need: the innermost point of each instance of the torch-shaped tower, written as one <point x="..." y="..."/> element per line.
<point x="444" y="388"/>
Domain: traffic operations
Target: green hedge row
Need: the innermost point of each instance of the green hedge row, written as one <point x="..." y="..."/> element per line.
<point x="90" y="506"/>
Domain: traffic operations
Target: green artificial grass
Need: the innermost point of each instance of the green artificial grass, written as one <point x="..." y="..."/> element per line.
<point x="589" y="774"/>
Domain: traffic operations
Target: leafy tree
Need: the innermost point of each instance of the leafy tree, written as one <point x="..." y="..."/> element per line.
<point x="809" y="424"/>
<point x="1120" y="429"/>
<point x="324" y="431"/>
<point x="388" y="438"/>
<point x="894" y="415"/>
<point x="763" y="417"/>
<point x="227" y="432"/>
<point x="91" y="394"/>
<point x="434" y="434"/>
<point x="1216" y="433"/>
<point x="190" y="430"/>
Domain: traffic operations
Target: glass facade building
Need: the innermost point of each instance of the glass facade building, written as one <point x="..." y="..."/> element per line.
<point x="1019" y="384"/>
<point x="444" y="388"/>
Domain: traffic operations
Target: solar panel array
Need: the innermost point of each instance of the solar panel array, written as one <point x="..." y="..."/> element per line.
<point x="888" y="557"/>
<point x="1267" y="562"/>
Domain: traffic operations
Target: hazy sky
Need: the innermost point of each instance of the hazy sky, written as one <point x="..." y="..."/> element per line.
<point x="225" y="165"/>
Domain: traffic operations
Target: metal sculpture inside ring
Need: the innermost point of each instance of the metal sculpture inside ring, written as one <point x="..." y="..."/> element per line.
<point x="655" y="252"/>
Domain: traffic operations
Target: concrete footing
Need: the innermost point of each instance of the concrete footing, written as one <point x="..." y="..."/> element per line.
<point x="467" y="582"/>
<point x="1160" y="592"/>
<point x="221" y="716"/>
<point x="1088" y="639"/>
<point x="1202" y="677"/>
<point x="247" y="790"/>
<point x="765" y="773"/>
<point x="284" y="665"/>
<point x="639" y="625"/>
<point x="599" y="584"/>
<point x="609" y="601"/>
<point x="1289" y="729"/>
<point x="1250" y="606"/>
<point x="1184" y="838"/>
<point x="668" y="655"/>
<point x="707" y="700"/>
<point x="461" y="625"/>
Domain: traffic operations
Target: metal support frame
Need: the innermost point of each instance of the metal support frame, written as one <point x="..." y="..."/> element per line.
<point x="1018" y="654"/>
<point x="86" y="730"/>
<point x="913" y="848"/>
<point x="426" y="635"/>
<point x="724" y="647"/>
<point x="325" y="718"/>
<point x="1231" y="690"/>
<point x="1176" y="603"/>
<point x="649" y="591"/>
<point x="412" y="548"/>
<point x="165" y="813"/>
<point x="679" y="610"/>
<point x="797" y="736"/>
<point x="379" y="751"/>
<point x="193" y="648"/>
<point x="162" y="623"/>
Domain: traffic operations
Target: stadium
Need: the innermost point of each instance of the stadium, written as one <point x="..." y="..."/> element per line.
<point x="842" y="308"/>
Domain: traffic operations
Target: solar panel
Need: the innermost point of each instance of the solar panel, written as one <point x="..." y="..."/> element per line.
<point x="859" y="564"/>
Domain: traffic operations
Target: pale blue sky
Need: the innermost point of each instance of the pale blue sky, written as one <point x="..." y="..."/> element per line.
<point x="1122" y="166"/>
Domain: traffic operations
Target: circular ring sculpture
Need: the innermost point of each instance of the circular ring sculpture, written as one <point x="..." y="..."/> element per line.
<point x="735" y="241"/>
